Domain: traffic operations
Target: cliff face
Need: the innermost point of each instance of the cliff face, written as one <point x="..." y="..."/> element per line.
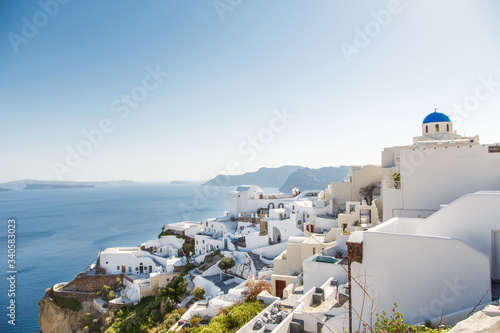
<point x="54" y="319"/>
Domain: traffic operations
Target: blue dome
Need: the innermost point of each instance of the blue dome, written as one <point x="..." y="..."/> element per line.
<point x="436" y="117"/>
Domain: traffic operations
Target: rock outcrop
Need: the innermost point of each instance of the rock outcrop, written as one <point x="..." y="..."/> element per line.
<point x="54" y="319"/>
<point x="485" y="321"/>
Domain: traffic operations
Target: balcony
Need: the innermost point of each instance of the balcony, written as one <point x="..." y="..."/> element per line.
<point x="391" y="184"/>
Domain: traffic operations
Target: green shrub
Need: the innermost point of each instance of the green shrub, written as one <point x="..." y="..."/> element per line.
<point x="106" y="293"/>
<point x="195" y="321"/>
<point x="242" y="313"/>
<point x="395" y="323"/>
<point x="171" y="319"/>
<point x="231" y="319"/>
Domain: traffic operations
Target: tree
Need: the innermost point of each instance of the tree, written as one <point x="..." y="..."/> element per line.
<point x="255" y="288"/>
<point x="106" y="293"/>
<point x="226" y="264"/>
<point x="366" y="192"/>
<point x="198" y="292"/>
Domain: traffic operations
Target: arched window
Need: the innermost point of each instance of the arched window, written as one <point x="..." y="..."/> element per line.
<point x="426" y="128"/>
<point x="447" y="127"/>
<point x="437" y="127"/>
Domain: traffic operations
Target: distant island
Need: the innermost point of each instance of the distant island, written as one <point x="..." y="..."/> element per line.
<point x="5" y="189"/>
<point x="314" y="179"/>
<point x="23" y="183"/>
<point x="178" y="182"/>
<point x="54" y="187"/>
<point x="264" y="177"/>
<point x="286" y="178"/>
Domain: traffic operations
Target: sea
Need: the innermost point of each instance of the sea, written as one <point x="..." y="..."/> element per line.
<point x="59" y="232"/>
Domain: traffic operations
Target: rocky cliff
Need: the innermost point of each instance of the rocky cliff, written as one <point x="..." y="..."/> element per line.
<point x="69" y="314"/>
<point x="54" y="318"/>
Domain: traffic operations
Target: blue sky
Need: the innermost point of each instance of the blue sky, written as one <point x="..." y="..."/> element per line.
<point x="231" y="66"/>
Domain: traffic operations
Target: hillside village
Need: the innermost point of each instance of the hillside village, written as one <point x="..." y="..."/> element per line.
<point x="420" y="230"/>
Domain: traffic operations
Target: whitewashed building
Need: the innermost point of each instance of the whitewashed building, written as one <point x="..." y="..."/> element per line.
<point x="439" y="167"/>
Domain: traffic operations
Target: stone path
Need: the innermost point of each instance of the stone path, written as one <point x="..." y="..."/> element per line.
<point x="259" y="264"/>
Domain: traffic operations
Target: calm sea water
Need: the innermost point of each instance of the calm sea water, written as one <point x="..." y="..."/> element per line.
<point x="60" y="232"/>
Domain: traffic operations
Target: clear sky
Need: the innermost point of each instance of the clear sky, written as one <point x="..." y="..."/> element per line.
<point x="350" y="77"/>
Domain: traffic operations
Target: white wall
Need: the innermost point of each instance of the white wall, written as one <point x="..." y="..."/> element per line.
<point x="425" y="276"/>
<point x="271" y="251"/>
<point x="254" y="241"/>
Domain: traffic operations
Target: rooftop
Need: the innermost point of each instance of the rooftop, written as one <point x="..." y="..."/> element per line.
<point x="436" y="117"/>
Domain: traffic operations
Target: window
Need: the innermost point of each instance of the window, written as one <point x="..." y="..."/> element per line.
<point x="106" y="262"/>
<point x="447" y="127"/>
<point x="137" y="268"/>
<point x="129" y="269"/>
<point x="117" y="268"/>
<point x="203" y="241"/>
<point x="426" y="128"/>
<point x="196" y="242"/>
<point x="437" y="127"/>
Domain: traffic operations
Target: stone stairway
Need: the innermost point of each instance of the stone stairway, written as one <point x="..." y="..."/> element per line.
<point x="259" y="264"/>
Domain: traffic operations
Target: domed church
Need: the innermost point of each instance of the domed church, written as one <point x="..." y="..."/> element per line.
<point x="437" y="127"/>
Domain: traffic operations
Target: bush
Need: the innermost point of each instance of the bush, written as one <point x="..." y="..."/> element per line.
<point x="232" y="318"/>
<point x="67" y="303"/>
<point x="171" y="319"/>
<point x="198" y="293"/>
<point x="242" y="313"/>
<point x="106" y="293"/>
<point x="395" y="323"/>
<point x="195" y="321"/>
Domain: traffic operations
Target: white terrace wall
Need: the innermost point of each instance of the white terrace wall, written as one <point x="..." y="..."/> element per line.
<point x="425" y="276"/>
<point x="316" y="273"/>
<point x="470" y="218"/>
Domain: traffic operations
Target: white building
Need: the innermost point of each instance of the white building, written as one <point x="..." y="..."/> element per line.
<point x="164" y="246"/>
<point x="251" y="199"/>
<point x="255" y="219"/>
<point x="133" y="260"/>
<point x="439" y="167"/>
<point x="188" y="228"/>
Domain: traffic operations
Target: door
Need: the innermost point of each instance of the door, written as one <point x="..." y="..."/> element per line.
<point x="123" y="269"/>
<point x="495" y="258"/>
<point x="280" y="285"/>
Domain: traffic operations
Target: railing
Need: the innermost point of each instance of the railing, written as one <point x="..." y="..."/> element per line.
<point x="391" y="184"/>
